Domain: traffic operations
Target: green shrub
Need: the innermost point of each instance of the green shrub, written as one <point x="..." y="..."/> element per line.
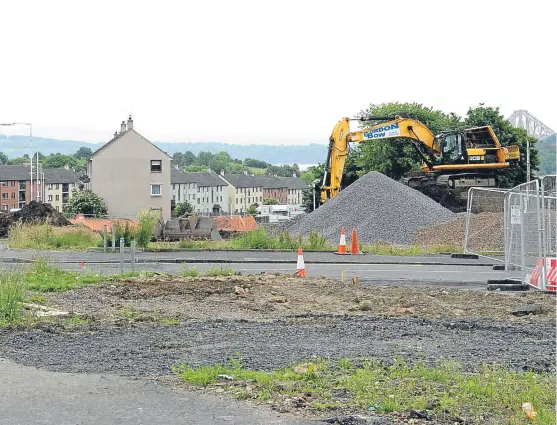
<point x="146" y="231"/>
<point x="182" y="208"/>
<point x="317" y="241"/>
<point x="123" y="230"/>
<point x="12" y="291"/>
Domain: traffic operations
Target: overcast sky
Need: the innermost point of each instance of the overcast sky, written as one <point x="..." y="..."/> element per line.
<point x="281" y="72"/>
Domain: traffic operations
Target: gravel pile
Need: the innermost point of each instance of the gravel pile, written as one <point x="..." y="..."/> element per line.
<point x="379" y="208"/>
<point x="34" y="212"/>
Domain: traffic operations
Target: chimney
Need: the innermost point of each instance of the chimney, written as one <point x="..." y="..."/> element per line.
<point x="66" y="166"/>
<point x="115" y="134"/>
<point x="130" y="123"/>
<point x="222" y="171"/>
<point x="122" y="127"/>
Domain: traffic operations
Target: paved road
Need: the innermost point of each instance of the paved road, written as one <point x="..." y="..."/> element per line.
<point x="33" y="396"/>
<point x="238" y="257"/>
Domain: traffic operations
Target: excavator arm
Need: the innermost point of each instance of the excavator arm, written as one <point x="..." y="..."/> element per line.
<point x="422" y="139"/>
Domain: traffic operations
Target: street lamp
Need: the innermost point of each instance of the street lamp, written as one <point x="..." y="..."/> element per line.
<point x="31" y="147"/>
<point x="313" y="188"/>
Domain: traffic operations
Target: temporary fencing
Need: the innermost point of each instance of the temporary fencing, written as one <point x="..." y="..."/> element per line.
<point x="518" y="225"/>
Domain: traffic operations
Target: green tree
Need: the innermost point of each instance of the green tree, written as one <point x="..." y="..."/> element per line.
<point x="204" y="158"/>
<point x="256" y="163"/>
<point x="233" y="168"/>
<point x="196" y="168"/>
<point x="396" y="157"/>
<point x="270" y="201"/>
<point x="4" y="159"/>
<point x="252" y="210"/>
<point x="183" y="208"/>
<point x="507" y="135"/>
<point x="84" y="153"/>
<point x="86" y="202"/>
<point x="57" y="160"/>
<point x="189" y="158"/>
<point x="178" y="159"/>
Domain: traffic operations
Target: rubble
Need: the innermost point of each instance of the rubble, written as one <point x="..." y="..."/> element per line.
<point x="378" y="207"/>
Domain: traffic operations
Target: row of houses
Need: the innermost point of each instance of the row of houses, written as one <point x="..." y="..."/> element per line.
<point x="130" y="173"/>
<point x="232" y="193"/>
<point x="17" y="188"/>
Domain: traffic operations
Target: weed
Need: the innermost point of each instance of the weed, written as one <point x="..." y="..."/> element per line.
<point x="47" y="237"/>
<point x="77" y="321"/>
<point x="221" y="271"/>
<point x="147" y="222"/>
<point x="37" y="299"/>
<point x="12" y="291"/>
<point x="168" y="321"/>
<point x="491" y="392"/>
<point x="189" y="272"/>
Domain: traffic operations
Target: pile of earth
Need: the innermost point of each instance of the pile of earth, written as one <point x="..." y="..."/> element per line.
<point x="34" y="213"/>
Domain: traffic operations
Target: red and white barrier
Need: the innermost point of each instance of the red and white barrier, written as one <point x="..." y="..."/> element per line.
<point x="551" y="273"/>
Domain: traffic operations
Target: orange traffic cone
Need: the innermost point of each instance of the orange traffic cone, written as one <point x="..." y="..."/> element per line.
<point x="355" y="244"/>
<point x="300" y="266"/>
<point x="342" y="243"/>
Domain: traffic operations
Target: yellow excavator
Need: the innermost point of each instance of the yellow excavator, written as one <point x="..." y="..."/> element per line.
<point x="453" y="161"/>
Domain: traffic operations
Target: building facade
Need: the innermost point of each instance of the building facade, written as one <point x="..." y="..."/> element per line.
<point x="59" y="186"/>
<point x="130" y="173"/>
<point x="274" y="187"/>
<point x="243" y="191"/>
<point x="205" y="191"/>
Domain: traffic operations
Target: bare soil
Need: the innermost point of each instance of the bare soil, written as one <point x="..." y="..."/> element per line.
<point x="268" y="297"/>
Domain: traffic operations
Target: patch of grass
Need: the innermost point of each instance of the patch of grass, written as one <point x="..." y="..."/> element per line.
<point x="168" y="321"/>
<point x="37" y="299"/>
<point x="47" y="237"/>
<point x="190" y="272"/>
<point x="46" y="277"/>
<point x="491" y="394"/>
<point x="261" y="238"/>
<point x="12" y="292"/>
<point x="380" y="248"/>
<point x="221" y="271"/>
<point x="77" y="321"/>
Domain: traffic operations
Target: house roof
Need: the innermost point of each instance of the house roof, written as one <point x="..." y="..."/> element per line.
<point x="15" y="172"/>
<point x="271" y="182"/>
<point x="241" y="180"/>
<point x="51" y="175"/>
<point x="294" y="183"/>
<point x="201" y="178"/>
<point x="60" y="175"/>
<point x="118" y="137"/>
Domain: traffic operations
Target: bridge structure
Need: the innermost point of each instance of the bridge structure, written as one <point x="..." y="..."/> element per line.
<point x="533" y="126"/>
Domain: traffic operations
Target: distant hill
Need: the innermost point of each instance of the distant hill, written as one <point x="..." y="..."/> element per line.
<point x="14" y="146"/>
<point x="547" y="155"/>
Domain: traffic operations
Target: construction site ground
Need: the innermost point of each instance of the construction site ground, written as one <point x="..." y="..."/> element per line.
<point x="141" y="327"/>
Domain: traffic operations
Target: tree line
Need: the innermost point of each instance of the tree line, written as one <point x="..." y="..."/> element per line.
<point x="75" y="161"/>
<point x="216" y="162"/>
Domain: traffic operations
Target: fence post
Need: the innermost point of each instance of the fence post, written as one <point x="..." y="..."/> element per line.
<point x="522" y="261"/>
<point x="507" y="242"/>
<point x="122" y="243"/>
<point x="105" y="242"/>
<point x="132" y="250"/>
<point x="113" y="237"/>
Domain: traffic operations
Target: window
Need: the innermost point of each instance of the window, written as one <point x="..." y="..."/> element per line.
<point x="3" y="183"/>
<point x="57" y="197"/>
<point x="57" y="208"/>
<point x="156" y="190"/>
<point x="12" y="183"/>
<point x="13" y="195"/>
<point x="156" y="166"/>
<point x="198" y="200"/>
<point x="49" y="187"/>
<point x="4" y="196"/>
<point x="49" y="198"/>
<point x="5" y="207"/>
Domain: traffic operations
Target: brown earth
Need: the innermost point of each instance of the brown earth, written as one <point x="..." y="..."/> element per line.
<point x="34" y="212"/>
<point x="486" y="232"/>
<point x="268" y="297"/>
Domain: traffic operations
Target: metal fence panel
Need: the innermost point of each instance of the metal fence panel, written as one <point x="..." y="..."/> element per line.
<point x="485" y="224"/>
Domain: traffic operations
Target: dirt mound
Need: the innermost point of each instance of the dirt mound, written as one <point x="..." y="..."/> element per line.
<point x="486" y="232"/>
<point x="236" y="223"/>
<point x="34" y="212"/>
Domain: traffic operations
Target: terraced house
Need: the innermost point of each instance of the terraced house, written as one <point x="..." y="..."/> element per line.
<point x="205" y="191"/>
<point x="59" y="185"/>
<point x="243" y="191"/>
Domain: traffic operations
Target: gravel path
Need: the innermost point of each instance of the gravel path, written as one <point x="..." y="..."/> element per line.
<point x="151" y="350"/>
<point x="378" y="207"/>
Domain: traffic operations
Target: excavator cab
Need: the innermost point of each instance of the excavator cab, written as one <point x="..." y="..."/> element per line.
<point x="453" y="148"/>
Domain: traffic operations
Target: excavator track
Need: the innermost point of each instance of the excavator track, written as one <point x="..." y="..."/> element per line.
<point x="450" y="190"/>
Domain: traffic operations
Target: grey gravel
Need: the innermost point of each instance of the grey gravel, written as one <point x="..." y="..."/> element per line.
<point x="152" y="350"/>
<point x="378" y="207"/>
